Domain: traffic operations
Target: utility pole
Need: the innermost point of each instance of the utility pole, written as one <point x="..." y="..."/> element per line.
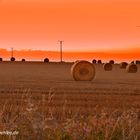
<point x="12" y="52"/>
<point x="61" y="50"/>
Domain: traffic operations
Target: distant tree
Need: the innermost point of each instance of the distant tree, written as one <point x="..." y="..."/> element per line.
<point x="12" y="59"/>
<point x="23" y="60"/>
<point x="1" y="59"/>
<point x="99" y="61"/>
<point x="111" y="62"/>
<point x="94" y="61"/>
<point x="46" y="60"/>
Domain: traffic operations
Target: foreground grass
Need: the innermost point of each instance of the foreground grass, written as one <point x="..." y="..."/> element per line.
<point x="42" y="120"/>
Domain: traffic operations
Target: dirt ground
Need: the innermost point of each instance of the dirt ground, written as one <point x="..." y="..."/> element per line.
<point x="116" y="86"/>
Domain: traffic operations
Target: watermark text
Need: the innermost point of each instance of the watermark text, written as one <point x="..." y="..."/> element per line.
<point x="10" y="133"/>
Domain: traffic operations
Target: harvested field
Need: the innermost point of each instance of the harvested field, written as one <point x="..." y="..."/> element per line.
<point x="47" y="92"/>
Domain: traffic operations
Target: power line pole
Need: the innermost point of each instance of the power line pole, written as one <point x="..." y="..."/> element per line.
<point x="61" y="50"/>
<point x="12" y="52"/>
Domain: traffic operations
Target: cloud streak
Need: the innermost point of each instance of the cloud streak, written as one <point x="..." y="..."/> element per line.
<point x="71" y="56"/>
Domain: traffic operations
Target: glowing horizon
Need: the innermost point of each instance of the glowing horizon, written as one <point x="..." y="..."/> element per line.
<point x="84" y="25"/>
<point x="39" y="55"/>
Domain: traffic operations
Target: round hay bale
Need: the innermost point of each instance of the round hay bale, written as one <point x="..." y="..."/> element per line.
<point x="46" y="60"/>
<point x="83" y="71"/>
<point x="99" y="61"/>
<point x="12" y="59"/>
<point x="123" y="65"/>
<point x="76" y="61"/>
<point x="94" y="61"/>
<point x="23" y="60"/>
<point x="112" y="62"/>
<point x="137" y="62"/>
<point x="1" y="59"/>
<point x="132" y="68"/>
<point x="107" y="66"/>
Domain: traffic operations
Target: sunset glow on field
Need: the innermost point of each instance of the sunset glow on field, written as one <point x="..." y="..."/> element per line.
<point x="97" y="28"/>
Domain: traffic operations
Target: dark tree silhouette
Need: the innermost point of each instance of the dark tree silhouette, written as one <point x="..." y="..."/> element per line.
<point x="1" y="59"/>
<point x="94" y="61"/>
<point x="99" y="61"/>
<point x="111" y="62"/>
<point x="46" y="60"/>
<point x="12" y="59"/>
<point x="23" y="60"/>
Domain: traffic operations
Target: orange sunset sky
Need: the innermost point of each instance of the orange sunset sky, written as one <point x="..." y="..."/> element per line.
<point x="102" y="29"/>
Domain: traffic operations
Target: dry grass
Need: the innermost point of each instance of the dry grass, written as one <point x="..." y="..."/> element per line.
<point x="43" y="102"/>
<point x="63" y="116"/>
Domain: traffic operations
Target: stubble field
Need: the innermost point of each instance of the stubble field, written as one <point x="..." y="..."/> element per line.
<point x="42" y="102"/>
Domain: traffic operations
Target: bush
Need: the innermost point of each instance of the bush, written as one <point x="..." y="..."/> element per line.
<point x="1" y="59"/>
<point x="23" y="60"/>
<point x="46" y="60"/>
<point x="12" y="59"/>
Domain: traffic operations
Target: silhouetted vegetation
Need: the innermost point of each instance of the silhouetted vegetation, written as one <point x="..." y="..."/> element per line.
<point x="12" y="59"/>
<point x="1" y="59"/>
<point x="94" y="61"/>
<point x="99" y="61"/>
<point x="46" y="60"/>
<point x="111" y="62"/>
<point x="23" y="60"/>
